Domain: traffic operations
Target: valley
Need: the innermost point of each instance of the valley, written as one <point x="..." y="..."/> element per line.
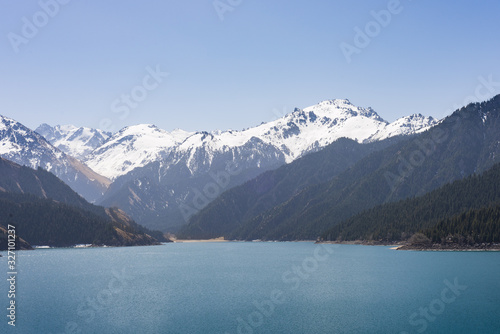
<point x="312" y="174"/>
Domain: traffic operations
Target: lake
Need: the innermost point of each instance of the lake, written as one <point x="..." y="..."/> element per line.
<point x="236" y="287"/>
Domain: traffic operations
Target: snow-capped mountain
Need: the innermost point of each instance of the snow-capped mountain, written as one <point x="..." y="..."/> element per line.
<point x="26" y="147"/>
<point x="134" y="147"/>
<point x="292" y="136"/>
<point x="405" y="126"/>
<point x="161" y="178"/>
<point x="77" y="142"/>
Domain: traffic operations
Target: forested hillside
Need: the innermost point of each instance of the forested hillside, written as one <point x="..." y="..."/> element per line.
<point x="431" y="212"/>
<point x="469" y="228"/>
<point x="46" y="211"/>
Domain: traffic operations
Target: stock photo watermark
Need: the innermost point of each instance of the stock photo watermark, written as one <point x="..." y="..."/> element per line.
<point x="486" y="88"/>
<point x="436" y="307"/>
<point x="32" y="26"/>
<point x="223" y="6"/>
<point x="427" y="147"/>
<point x="280" y="113"/>
<point x="123" y="105"/>
<point x="89" y="309"/>
<point x="211" y="190"/>
<point x="363" y="37"/>
<point x="292" y="278"/>
<point x="12" y="274"/>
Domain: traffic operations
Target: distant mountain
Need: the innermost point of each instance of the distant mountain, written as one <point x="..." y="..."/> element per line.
<point x="28" y="148"/>
<point x="162" y="178"/>
<point x="77" y="142"/>
<point x="398" y="221"/>
<point x="464" y="143"/>
<point x="46" y="211"/>
<point x="291" y="137"/>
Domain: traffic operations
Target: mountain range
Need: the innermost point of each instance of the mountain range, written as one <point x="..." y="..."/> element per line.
<point x="289" y="137"/>
<point x="164" y="178"/>
<point x="466" y="142"/>
<point x="77" y="142"/>
<point x="313" y="172"/>
<point x="28" y="148"/>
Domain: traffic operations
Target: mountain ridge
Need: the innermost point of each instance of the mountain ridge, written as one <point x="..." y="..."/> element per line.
<point x="26" y="147"/>
<point x="46" y="211"/>
<point x="77" y="142"/>
<point x="294" y="134"/>
<point x="178" y="181"/>
<point x="162" y="178"/>
<point x="461" y="144"/>
<point x="274" y="187"/>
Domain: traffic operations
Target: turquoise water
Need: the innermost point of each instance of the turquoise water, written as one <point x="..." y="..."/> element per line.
<point x="253" y="288"/>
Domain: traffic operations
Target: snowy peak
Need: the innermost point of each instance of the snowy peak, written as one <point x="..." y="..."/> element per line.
<point x="28" y="148"/>
<point x="341" y="109"/>
<point x="20" y="144"/>
<point x="132" y="147"/>
<point x="290" y="137"/>
<point x="74" y="141"/>
<point x="406" y="125"/>
<point x="151" y="133"/>
<point x="415" y="122"/>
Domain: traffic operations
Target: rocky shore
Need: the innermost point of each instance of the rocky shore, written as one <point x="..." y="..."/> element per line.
<point x="451" y="247"/>
<point x="421" y="246"/>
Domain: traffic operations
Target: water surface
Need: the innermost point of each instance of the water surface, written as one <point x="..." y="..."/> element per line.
<point x="253" y="288"/>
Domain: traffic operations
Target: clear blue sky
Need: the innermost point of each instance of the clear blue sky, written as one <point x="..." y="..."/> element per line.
<point x="264" y="58"/>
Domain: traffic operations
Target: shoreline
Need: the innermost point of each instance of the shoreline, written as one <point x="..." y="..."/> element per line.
<point x="221" y="239"/>
<point x="82" y="247"/>
<point x="429" y="248"/>
<point x="362" y="243"/>
<point x="393" y="246"/>
<point x="451" y="248"/>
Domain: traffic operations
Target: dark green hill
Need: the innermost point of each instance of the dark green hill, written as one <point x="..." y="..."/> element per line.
<point x="242" y="203"/>
<point x="398" y="221"/>
<point x="20" y="179"/>
<point x="46" y="211"/>
<point x="471" y="228"/>
<point x="464" y="143"/>
<point x="47" y="222"/>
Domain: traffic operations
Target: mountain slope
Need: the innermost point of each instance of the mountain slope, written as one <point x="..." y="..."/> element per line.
<point x="28" y="148"/>
<point x="399" y="220"/>
<point x="47" y="211"/>
<point x="163" y="178"/>
<point x="239" y="204"/>
<point x="15" y="178"/>
<point x="464" y="143"/>
<point x="50" y="223"/>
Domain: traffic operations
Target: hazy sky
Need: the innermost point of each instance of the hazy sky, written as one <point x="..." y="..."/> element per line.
<point x="237" y="63"/>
